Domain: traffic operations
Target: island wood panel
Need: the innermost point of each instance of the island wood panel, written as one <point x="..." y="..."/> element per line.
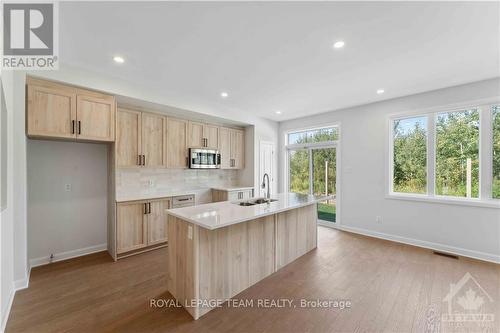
<point x="235" y="257"/>
<point x="296" y="234"/>
<point x="182" y="278"/>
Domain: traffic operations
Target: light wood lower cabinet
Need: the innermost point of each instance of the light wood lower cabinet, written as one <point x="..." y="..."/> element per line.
<point x="140" y="224"/>
<point x="56" y="110"/>
<point x="225" y="195"/>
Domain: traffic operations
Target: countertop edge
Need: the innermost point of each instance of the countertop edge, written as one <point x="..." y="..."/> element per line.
<point x="280" y="210"/>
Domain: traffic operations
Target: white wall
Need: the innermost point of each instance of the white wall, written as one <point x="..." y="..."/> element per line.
<point x="13" y="217"/>
<point x="473" y="231"/>
<point x="60" y="222"/>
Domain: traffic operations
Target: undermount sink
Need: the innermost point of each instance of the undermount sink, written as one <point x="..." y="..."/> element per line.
<point x="255" y="202"/>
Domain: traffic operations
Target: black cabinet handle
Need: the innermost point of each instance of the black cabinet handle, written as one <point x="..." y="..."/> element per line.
<point x="139" y="158"/>
<point x="149" y="207"/>
<point x="143" y="159"/>
<point x="145" y="208"/>
<point x="72" y="127"/>
<point x="79" y="127"/>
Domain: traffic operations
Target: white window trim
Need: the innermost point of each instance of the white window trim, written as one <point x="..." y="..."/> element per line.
<point x="485" y="155"/>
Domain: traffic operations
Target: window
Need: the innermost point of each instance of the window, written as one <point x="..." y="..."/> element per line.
<point x="439" y="154"/>
<point x="496" y="151"/>
<point x="457" y="154"/>
<point x="410" y="155"/>
<point x="299" y="171"/>
<point x="327" y="134"/>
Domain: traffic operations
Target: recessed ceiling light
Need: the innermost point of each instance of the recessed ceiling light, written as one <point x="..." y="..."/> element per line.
<point x="278" y="112"/>
<point x="380" y="91"/>
<point x="224" y="94"/>
<point x="119" y="59"/>
<point x="339" y="44"/>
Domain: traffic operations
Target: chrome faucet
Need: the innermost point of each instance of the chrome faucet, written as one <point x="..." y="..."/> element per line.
<point x="268" y="194"/>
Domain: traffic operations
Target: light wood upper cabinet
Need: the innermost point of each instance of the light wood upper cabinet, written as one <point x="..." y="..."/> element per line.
<point x="203" y="135"/>
<point x="95" y="117"/>
<point x="196" y="138"/>
<point x="128" y="138"/>
<point x="60" y="111"/>
<point x="232" y="148"/>
<point x="177" y="150"/>
<point x="131" y="226"/>
<point x="141" y="139"/>
<point x="211" y="135"/>
<point x="157" y="221"/>
<point x="238" y="148"/>
<point x="51" y="110"/>
<point x="153" y="139"/>
<point x="225" y="147"/>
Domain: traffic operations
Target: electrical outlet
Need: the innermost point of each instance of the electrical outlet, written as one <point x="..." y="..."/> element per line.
<point x="150" y="183"/>
<point x="378" y="219"/>
<point x="190" y="232"/>
<point x="67" y="187"/>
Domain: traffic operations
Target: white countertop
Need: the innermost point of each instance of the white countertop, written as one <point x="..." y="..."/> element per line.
<point x="152" y="195"/>
<point x="221" y="214"/>
<point x="233" y="188"/>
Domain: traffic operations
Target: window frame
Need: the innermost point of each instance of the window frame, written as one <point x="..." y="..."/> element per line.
<point x="485" y="199"/>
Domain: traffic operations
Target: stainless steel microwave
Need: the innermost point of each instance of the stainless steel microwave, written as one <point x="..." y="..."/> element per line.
<point x="204" y="158"/>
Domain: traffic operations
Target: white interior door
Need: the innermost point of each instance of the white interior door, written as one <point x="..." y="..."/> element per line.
<point x="266" y="165"/>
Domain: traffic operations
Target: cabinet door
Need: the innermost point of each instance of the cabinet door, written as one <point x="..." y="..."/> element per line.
<point x="247" y="194"/>
<point x="157" y="221"/>
<point x="225" y="147"/>
<point x="237" y="149"/>
<point x="153" y="139"/>
<point x="131" y="226"/>
<point x="233" y="195"/>
<point x="128" y="138"/>
<point x="51" y="110"/>
<point x="211" y="134"/>
<point x="176" y="143"/>
<point x="96" y="117"/>
<point x="196" y="135"/>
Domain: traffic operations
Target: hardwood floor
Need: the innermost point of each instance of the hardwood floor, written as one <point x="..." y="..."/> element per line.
<point x="392" y="287"/>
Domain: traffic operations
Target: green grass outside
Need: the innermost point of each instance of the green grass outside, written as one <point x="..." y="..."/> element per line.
<point x="327" y="212"/>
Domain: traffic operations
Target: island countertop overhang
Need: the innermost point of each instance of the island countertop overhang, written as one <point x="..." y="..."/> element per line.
<point x="221" y="214"/>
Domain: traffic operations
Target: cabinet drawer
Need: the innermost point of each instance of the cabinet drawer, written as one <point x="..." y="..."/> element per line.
<point x="183" y="201"/>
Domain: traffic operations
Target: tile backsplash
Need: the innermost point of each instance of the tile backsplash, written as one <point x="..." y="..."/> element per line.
<point x="144" y="181"/>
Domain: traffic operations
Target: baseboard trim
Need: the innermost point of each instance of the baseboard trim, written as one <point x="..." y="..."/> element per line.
<point x="420" y="243"/>
<point x="67" y="255"/>
<point x="9" y="307"/>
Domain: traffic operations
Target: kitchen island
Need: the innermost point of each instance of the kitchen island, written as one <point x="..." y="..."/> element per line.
<point x="217" y="250"/>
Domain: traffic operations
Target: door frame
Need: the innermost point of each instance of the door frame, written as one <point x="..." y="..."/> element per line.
<point x="310" y="148"/>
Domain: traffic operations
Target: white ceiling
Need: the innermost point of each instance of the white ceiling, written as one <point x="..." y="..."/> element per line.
<point x="279" y="56"/>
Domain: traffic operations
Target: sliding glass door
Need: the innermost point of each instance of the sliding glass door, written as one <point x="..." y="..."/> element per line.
<point x="314" y="171"/>
<point x="324" y="180"/>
